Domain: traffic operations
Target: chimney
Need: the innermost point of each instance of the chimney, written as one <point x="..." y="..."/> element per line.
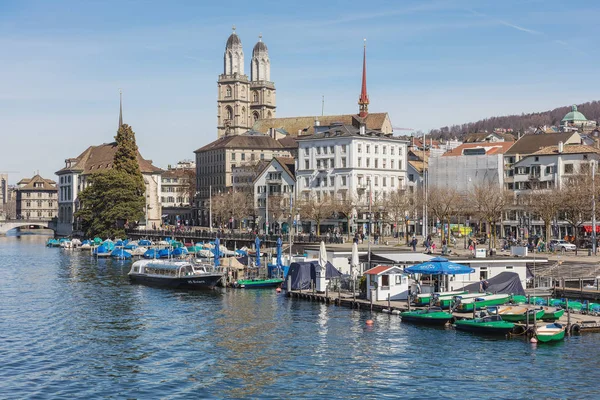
<point x="363" y="129"/>
<point x="561" y="147"/>
<point x="317" y="122"/>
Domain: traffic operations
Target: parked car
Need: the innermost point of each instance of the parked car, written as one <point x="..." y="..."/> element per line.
<point x="560" y="245"/>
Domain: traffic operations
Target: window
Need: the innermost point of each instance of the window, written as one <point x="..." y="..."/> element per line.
<point x="39" y="203"/>
<point x="243" y="156"/>
<point x="252" y="157"/>
<point x="549" y="169"/>
<point x="568" y="168"/>
<point x="228" y="91"/>
<point x="368" y="149"/>
<point x="384" y="164"/>
<point x="376" y="181"/>
<point x="585" y="156"/>
<point x="306" y="151"/>
<point x="411" y="177"/>
<point x="376" y="162"/>
<point x="50" y="204"/>
<point x="306" y="181"/>
<point x="331" y="181"/>
<point x="344" y="149"/>
<point x="359" y="162"/>
<point x="318" y="150"/>
<point x="331" y="150"/>
<point x="232" y="156"/>
<point x="537" y="159"/>
<point x="359" y="148"/>
<point x="384" y="181"/>
<point x="392" y="149"/>
<point x="28" y="204"/>
<point x="262" y="156"/>
<point x="393" y="180"/>
<point x="229" y="113"/>
<point x="318" y="182"/>
<point x="343" y="181"/>
<point x="392" y="164"/>
<point x="376" y="149"/>
<point x="306" y="166"/>
<point x="343" y="162"/>
<point x="318" y="164"/>
<point x="368" y="163"/>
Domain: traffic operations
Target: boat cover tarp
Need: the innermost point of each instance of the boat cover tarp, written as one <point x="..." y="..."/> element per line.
<point x="503" y="283"/>
<point x="303" y="273"/>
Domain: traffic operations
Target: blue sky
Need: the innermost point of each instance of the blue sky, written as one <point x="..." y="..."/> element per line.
<point x="430" y="63"/>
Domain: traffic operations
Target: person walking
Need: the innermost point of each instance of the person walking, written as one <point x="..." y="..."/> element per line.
<point x="413" y="243"/>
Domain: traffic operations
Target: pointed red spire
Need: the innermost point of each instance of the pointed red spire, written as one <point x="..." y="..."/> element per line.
<point x="363" y="101"/>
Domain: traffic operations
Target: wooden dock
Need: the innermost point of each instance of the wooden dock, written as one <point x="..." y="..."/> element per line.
<point x="578" y="323"/>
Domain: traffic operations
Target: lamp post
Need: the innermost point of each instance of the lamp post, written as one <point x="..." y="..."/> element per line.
<point x="594" y="207"/>
<point x="369" y="232"/>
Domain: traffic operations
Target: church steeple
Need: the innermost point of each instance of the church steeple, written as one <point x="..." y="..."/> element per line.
<point x="120" y="108"/>
<point x="363" y="100"/>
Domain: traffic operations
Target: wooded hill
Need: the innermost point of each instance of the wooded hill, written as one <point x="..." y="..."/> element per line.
<point x="518" y="123"/>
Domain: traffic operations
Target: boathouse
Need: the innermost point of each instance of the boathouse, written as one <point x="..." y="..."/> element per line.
<point x="384" y="281"/>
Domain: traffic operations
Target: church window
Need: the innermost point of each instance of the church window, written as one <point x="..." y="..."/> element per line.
<point x="255" y="115"/>
<point x="228" y="91"/>
<point x="269" y="114"/>
<point x="229" y="112"/>
<point x="255" y="96"/>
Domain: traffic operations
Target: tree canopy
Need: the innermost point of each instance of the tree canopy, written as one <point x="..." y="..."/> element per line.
<point x="114" y="197"/>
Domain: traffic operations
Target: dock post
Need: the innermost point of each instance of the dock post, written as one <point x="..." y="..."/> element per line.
<point x="474" y="308"/>
<point x="568" y="317"/>
<point x="289" y="284"/>
<point x="372" y="299"/>
<point x="326" y="294"/>
<point x="534" y="322"/>
<point x="353" y="292"/>
<point x="312" y="285"/>
<point x="389" y="303"/>
<point x="339" y="294"/>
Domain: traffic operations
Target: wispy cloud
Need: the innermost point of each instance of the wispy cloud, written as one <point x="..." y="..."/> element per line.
<point x="519" y="28"/>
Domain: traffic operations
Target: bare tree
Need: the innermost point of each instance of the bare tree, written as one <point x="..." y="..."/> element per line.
<point x="316" y="208"/>
<point x="575" y="203"/>
<point x="443" y="202"/>
<point x="398" y="207"/>
<point x="545" y="204"/>
<point x="490" y="200"/>
<point x="345" y="206"/>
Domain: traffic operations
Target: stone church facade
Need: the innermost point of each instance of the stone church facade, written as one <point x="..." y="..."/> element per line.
<point x="242" y="101"/>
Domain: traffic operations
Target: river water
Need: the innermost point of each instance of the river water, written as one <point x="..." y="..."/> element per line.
<point x="74" y="327"/>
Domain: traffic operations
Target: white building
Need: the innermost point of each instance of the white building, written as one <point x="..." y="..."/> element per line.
<point x="346" y="163"/>
<point x="273" y="190"/>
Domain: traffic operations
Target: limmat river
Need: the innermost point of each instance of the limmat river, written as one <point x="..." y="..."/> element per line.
<point x="74" y="327"/>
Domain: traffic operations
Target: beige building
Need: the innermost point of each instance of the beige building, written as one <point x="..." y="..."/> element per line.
<point x="216" y="160"/>
<point x="37" y="199"/>
<point x="242" y="101"/>
<point x="177" y="193"/>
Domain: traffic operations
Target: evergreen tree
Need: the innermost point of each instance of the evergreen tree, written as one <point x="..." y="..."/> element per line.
<point x="116" y="196"/>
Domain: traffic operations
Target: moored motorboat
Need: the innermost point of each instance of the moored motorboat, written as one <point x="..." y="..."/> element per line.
<point x="174" y="274"/>
<point x="448" y="301"/>
<point x="258" y="283"/>
<point x="517" y="313"/>
<point x="552" y="314"/>
<point x="491" y="324"/>
<point x="483" y="301"/>
<point x="423" y="299"/>
<point x="432" y="316"/>
<point x="550" y="332"/>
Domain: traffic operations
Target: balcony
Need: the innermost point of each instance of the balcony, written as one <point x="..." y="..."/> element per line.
<point x="273" y="180"/>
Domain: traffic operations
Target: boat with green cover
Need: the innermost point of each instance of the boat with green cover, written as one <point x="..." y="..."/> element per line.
<point x="491" y="324"/>
<point x="518" y="299"/>
<point x="518" y="313"/>
<point x="552" y="314"/>
<point x="550" y="333"/>
<point x="423" y="299"/>
<point x="258" y="283"/>
<point x="430" y="316"/>
<point x="483" y="301"/>
<point x="447" y="301"/>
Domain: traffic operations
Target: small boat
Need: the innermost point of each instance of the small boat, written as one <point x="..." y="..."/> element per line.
<point x="120" y="254"/>
<point x="517" y="313"/>
<point x="518" y="299"/>
<point x="174" y="274"/>
<point x="52" y="243"/>
<point x="552" y="315"/>
<point x="490" y="324"/>
<point x="431" y="316"/>
<point x="258" y="283"/>
<point x="423" y="299"/>
<point x="483" y="301"/>
<point x="551" y="332"/>
<point x="102" y="251"/>
<point x="448" y="301"/>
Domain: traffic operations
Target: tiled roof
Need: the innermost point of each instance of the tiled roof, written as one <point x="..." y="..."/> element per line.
<point x="305" y="125"/>
<point x="418" y="165"/>
<point x="530" y="143"/>
<point x="287" y="163"/>
<point x="100" y="158"/>
<point x="29" y="184"/>
<point x="347" y="131"/>
<point x="245" y="141"/>
<point x="378" y="269"/>
<point x="288" y="142"/>
<point x="490" y="148"/>
<point x="568" y="149"/>
<point x="480" y="137"/>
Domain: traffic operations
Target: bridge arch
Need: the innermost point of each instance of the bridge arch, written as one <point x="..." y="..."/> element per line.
<point x="9" y="225"/>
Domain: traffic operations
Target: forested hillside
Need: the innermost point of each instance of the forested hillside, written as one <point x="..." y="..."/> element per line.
<point x="518" y="122"/>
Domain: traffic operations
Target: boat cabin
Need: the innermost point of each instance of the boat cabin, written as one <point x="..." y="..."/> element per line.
<point x="384" y="281"/>
<point x="173" y="270"/>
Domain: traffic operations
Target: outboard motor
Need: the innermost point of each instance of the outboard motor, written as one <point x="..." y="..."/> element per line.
<point x="456" y="302"/>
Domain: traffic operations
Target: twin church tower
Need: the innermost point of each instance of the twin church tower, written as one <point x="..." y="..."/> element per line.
<point x="241" y="102"/>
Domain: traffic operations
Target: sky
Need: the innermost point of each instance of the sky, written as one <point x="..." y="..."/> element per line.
<point x="430" y="63"/>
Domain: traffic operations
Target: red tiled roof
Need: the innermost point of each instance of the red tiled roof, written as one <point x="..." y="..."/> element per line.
<point x="490" y="148"/>
<point x="377" y="270"/>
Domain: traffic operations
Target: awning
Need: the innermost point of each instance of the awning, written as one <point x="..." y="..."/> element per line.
<point x="588" y="228"/>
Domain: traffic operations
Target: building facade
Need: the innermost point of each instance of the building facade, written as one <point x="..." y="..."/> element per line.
<point x="242" y="101"/>
<point x="37" y="199"/>
<point x="274" y="195"/>
<point x="177" y="193"/>
<point x="216" y="161"/>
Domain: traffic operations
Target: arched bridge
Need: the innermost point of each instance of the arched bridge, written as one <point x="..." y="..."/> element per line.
<point x="8" y="224"/>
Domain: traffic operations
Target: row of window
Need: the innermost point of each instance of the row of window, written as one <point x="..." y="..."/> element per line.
<point x="40" y="194"/>
<point x="376" y="149"/>
<point x="65" y="179"/>
<point x="39" y="203"/>
<point x="172" y="189"/>
<point x="171" y="199"/>
<point x="251" y="155"/>
<point x="174" y="180"/>
<point x="275" y="189"/>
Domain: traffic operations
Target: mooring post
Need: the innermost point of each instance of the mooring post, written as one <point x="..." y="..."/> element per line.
<point x="474" y="308"/>
<point x="389" y="303"/>
<point x="527" y="323"/>
<point x="339" y="294"/>
<point x="327" y="294"/>
<point x="372" y="299"/>
<point x="568" y="317"/>
<point x="289" y="284"/>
